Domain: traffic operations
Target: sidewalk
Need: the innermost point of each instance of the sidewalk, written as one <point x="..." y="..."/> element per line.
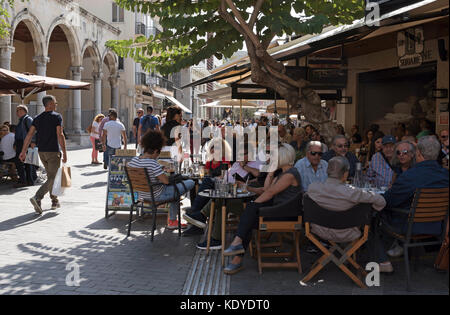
<point x="35" y="252"/>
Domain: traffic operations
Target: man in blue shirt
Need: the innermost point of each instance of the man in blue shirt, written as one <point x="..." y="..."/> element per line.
<point x="147" y="122"/>
<point x="312" y="168"/>
<point x="427" y="173"/>
<point x="26" y="172"/>
<point x="340" y="146"/>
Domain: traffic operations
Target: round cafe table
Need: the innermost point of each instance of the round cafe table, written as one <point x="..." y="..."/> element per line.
<point x="215" y="197"/>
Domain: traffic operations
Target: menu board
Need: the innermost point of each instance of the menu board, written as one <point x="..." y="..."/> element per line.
<point x="118" y="197"/>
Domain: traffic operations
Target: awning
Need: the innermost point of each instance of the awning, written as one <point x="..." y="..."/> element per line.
<point x="331" y="37"/>
<point x="158" y="94"/>
<point x="179" y="104"/>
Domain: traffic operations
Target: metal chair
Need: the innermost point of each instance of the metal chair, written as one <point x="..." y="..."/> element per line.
<point x="429" y="205"/>
<point x="281" y="218"/>
<point x="139" y="181"/>
<point x="357" y="216"/>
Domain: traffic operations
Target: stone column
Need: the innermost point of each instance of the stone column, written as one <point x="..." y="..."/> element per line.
<point x="97" y="92"/>
<point x="114" y="81"/>
<point x="76" y="119"/>
<point x="41" y="69"/>
<point x="5" y="101"/>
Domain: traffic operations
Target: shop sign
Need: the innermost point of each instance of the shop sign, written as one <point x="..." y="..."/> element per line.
<point x="410" y="47"/>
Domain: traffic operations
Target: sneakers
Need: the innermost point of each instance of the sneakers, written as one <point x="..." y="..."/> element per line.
<point x="395" y="251"/>
<point x="197" y="219"/>
<point x="36" y="204"/>
<point x="173" y="225"/>
<point x="55" y="204"/>
<point x="192" y="230"/>
<point x="214" y="245"/>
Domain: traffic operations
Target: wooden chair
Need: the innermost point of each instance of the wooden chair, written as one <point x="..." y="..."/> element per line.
<point x="139" y="181"/>
<point x="357" y="216"/>
<point x="429" y="205"/>
<point x="281" y="218"/>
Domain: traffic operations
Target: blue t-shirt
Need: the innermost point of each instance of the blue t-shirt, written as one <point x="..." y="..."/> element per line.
<point x="47" y="138"/>
<point x="148" y="122"/>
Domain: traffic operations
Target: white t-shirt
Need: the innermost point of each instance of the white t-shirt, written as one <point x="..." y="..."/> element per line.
<point x="7" y="146"/>
<point x="95" y="126"/>
<point x="114" y="130"/>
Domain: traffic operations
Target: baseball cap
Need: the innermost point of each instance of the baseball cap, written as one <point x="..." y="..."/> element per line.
<point x="388" y="139"/>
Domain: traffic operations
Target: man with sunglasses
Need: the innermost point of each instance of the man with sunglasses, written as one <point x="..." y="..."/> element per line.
<point x="312" y="168"/>
<point x="339" y="147"/>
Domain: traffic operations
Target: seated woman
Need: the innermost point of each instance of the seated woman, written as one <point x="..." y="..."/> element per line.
<point x="276" y="190"/>
<point x="152" y="142"/>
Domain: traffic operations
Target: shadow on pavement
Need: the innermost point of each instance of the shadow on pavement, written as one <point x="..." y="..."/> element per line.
<point x="26" y="219"/>
<point x="95" y="173"/>
<point x="98" y="184"/>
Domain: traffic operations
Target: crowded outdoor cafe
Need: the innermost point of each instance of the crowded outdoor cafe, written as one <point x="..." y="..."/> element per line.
<point x="277" y="179"/>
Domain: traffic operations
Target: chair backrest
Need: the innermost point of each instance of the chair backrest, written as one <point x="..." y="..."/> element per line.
<point x="138" y="180"/>
<point x="290" y="208"/>
<point x="357" y="216"/>
<point x="430" y="205"/>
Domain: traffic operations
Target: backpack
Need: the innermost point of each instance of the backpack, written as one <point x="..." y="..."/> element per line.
<point x="148" y="123"/>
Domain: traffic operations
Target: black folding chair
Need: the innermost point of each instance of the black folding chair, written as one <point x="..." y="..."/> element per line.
<point x="429" y="205"/>
<point x="357" y="216"/>
<point x="139" y="181"/>
<point x="281" y="218"/>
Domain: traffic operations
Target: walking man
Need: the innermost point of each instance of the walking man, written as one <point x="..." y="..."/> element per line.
<point x="136" y="123"/>
<point x="51" y="142"/>
<point x="111" y="138"/>
<point x="147" y="122"/>
<point x="25" y="171"/>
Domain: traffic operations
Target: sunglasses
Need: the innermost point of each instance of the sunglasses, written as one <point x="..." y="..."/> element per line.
<point x="343" y="146"/>
<point x="315" y="153"/>
<point x="444" y="137"/>
<point x="404" y="152"/>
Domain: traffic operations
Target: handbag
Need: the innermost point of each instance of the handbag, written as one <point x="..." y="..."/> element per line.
<point x="441" y="262"/>
<point x="89" y="129"/>
<point x="98" y="145"/>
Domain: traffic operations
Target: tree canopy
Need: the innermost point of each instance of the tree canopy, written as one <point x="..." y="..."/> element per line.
<point x="196" y="30"/>
<point x="4" y="15"/>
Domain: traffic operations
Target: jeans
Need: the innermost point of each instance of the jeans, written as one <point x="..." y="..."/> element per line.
<point x="26" y="172"/>
<point x="168" y="194"/>
<point x="200" y="202"/>
<point x="108" y="153"/>
<point x="52" y="162"/>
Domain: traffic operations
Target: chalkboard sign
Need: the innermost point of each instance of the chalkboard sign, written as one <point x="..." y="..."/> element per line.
<point x="118" y="194"/>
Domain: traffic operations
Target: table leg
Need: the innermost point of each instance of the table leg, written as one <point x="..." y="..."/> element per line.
<point x="224" y="227"/>
<point x="210" y="226"/>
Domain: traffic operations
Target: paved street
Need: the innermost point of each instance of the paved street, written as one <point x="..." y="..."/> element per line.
<point x="36" y="250"/>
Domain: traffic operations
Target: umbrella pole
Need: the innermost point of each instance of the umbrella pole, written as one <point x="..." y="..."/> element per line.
<point x="240" y="120"/>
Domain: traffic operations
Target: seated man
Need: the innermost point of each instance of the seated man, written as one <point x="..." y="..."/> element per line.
<point x="334" y="195"/>
<point x="339" y="147"/>
<point x="312" y="168"/>
<point x="214" y="166"/>
<point x="426" y="173"/>
<point x="380" y="170"/>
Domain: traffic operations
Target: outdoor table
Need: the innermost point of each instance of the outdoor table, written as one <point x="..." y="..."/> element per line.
<point x="221" y="198"/>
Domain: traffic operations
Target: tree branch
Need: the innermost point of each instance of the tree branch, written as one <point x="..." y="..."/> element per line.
<point x="257" y="8"/>
<point x="244" y="25"/>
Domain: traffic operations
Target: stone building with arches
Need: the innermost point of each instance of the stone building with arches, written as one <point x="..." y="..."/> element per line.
<point x="66" y="39"/>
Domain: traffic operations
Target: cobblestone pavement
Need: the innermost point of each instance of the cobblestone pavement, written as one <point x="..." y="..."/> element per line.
<point x="36" y="251"/>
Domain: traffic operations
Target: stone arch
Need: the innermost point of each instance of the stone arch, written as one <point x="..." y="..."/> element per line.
<point x="72" y="39"/>
<point x="92" y="49"/>
<point x="111" y="61"/>
<point x="35" y="28"/>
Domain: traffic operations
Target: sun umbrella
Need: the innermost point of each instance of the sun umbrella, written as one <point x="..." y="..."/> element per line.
<point x="26" y="84"/>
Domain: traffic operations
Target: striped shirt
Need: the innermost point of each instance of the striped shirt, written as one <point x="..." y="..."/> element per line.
<point x="154" y="170"/>
<point x="380" y="171"/>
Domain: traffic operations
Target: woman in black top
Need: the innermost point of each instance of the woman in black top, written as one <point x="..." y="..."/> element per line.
<point x="173" y="119"/>
<point x="276" y="190"/>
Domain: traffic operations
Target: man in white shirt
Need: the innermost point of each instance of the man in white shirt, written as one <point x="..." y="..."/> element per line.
<point x="7" y="144"/>
<point x="113" y="132"/>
